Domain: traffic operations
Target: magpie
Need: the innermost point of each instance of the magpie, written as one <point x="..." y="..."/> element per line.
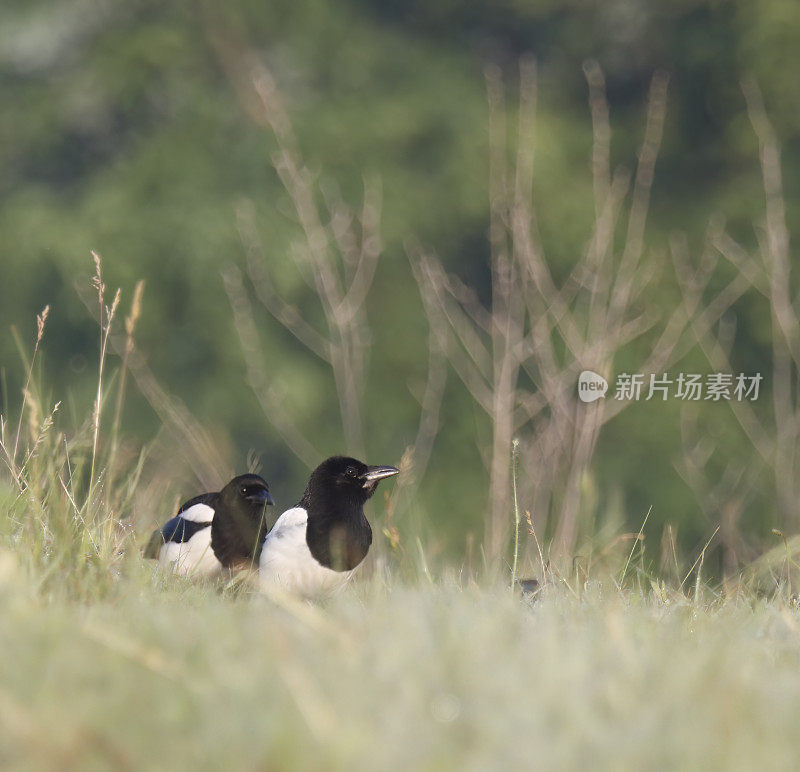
<point x="225" y="529"/>
<point x="315" y="547"/>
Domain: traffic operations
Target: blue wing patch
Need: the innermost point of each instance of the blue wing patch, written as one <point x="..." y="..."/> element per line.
<point x="179" y="530"/>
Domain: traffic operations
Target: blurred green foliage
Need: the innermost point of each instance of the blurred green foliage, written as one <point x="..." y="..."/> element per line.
<point x="121" y="133"/>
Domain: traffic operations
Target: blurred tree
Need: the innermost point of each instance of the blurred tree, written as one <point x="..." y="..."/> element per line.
<point x="121" y="133"/>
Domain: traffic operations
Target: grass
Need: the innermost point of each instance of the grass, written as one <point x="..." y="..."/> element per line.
<point x="449" y="676"/>
<point x="108" y="663"/>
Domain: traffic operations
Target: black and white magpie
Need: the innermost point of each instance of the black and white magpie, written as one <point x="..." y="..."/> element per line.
<point x="225" y="529"/>
<point x="314" y="548"/>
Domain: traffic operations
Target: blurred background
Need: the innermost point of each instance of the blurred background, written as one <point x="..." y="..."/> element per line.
<point x="235" y="155"/>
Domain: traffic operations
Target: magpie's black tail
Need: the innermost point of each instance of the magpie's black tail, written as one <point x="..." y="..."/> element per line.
<point x="528" y="586"/>
<point x="154" y="546"/>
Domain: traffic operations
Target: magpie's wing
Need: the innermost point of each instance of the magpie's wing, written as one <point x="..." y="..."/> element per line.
<point x="193" y="516"/>
<point x="209" y="499"/>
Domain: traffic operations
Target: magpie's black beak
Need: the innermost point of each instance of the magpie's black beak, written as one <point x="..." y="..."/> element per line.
<point x="375" y="474"/>
<point x="260" y="496"/>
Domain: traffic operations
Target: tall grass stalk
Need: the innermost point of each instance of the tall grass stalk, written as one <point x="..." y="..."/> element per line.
<point x="130" y="329"/>
<point x="514" y="460"/>
<point x="41" y="321"/>
<point x="106" y="318"/>
<point x="636" y="541"/>
<point x="700" y="558"/>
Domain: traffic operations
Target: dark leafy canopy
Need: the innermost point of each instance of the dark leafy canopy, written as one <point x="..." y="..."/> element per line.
<point x="121" y="133"/>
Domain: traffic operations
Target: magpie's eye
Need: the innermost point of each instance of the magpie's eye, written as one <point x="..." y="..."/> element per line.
<point x="244" y="490"/>
<point x="351" y="471"/>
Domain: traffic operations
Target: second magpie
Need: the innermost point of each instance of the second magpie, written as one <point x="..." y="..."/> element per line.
<point x="224" y="529"/>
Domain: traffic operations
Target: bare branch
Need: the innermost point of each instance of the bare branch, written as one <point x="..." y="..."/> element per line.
<point x="286" y="314"/>
<point x="601" y="133"/>
<point x="270" y="400"/>
<point x="648" y="154"/>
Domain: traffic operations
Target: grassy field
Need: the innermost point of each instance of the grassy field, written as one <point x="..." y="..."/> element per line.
<point x="105" y="662"/>
<point x="443" y="675"/>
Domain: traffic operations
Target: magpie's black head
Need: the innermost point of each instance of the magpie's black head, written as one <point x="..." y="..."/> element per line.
<point x="247" y="493"/>
<point x="349" y="477"/>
